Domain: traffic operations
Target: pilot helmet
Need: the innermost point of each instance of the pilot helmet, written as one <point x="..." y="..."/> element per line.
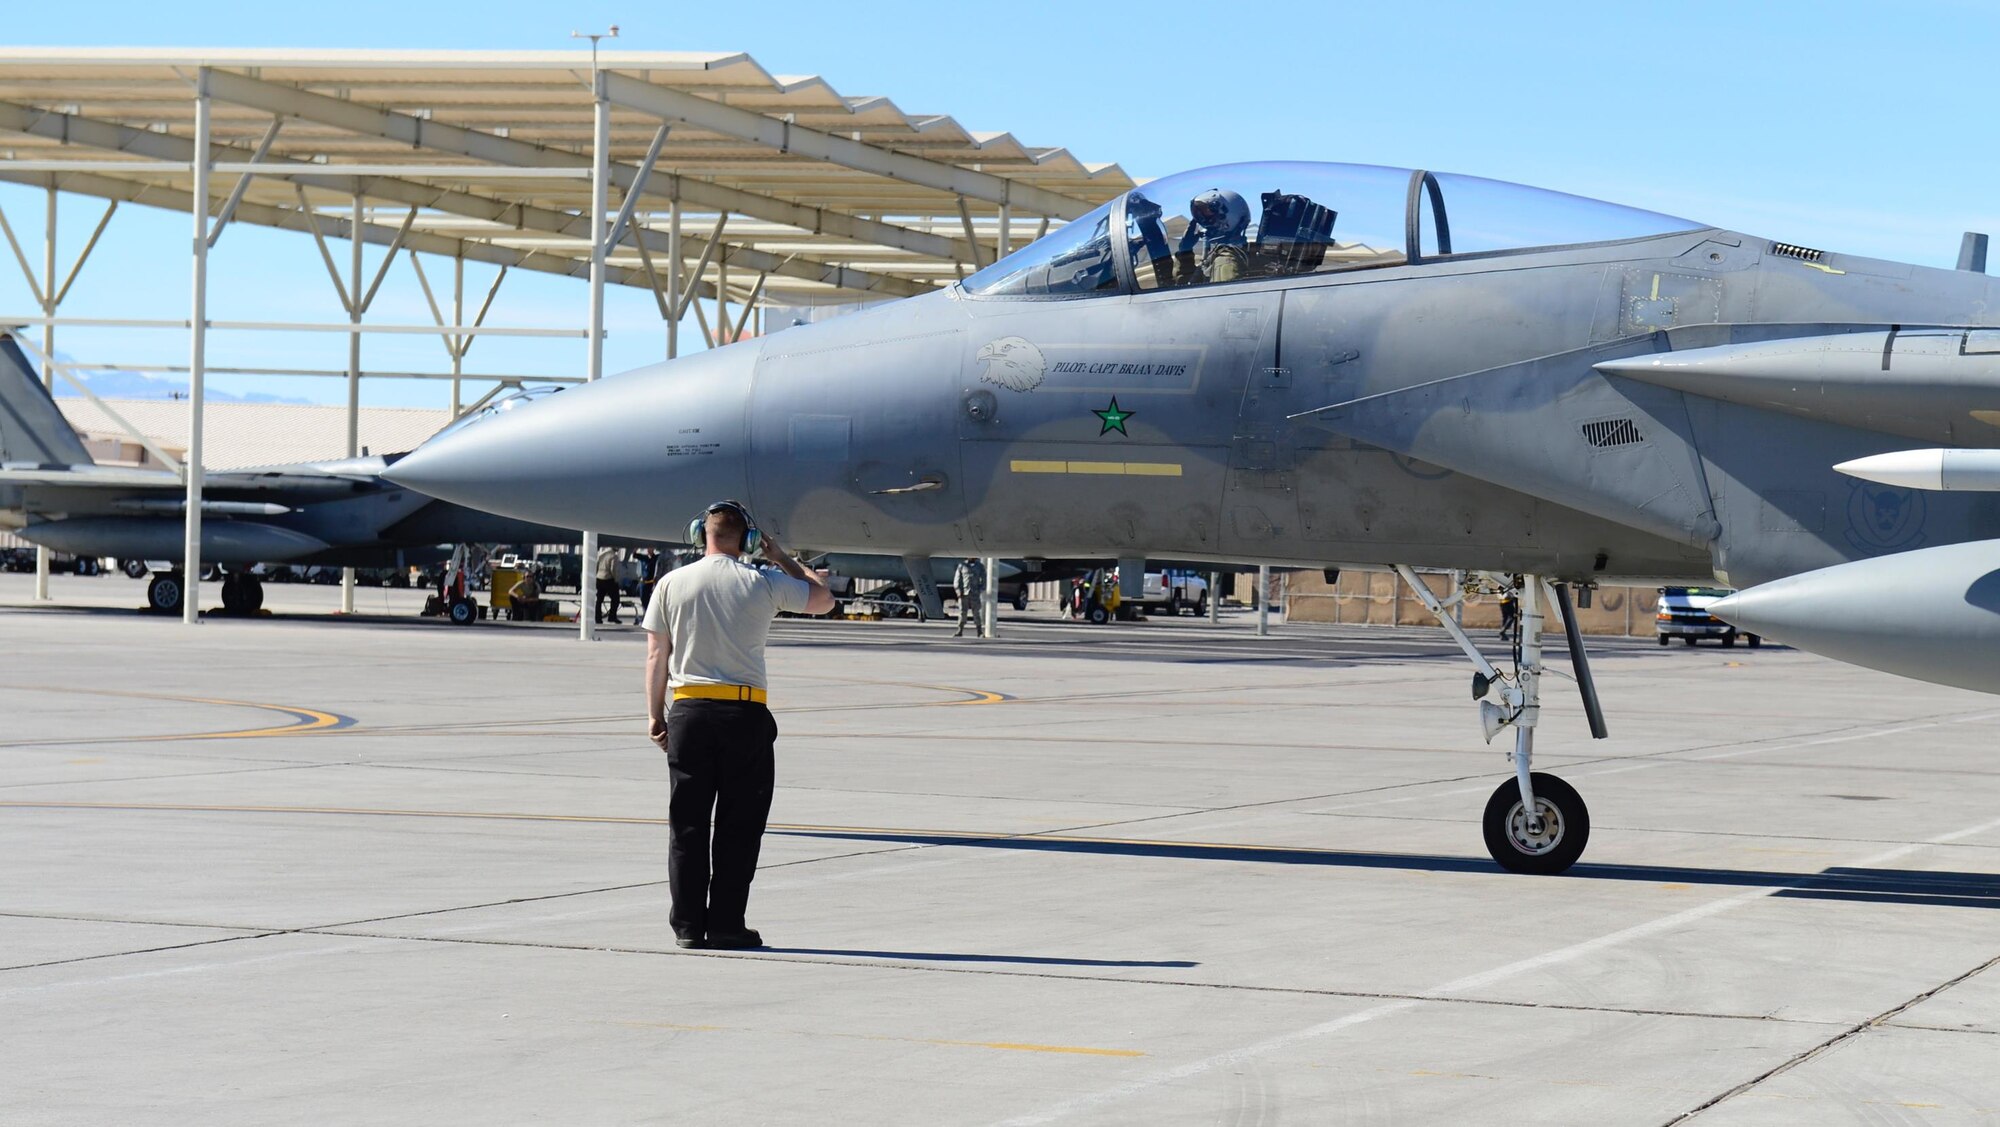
<point x="1221" y="213"/>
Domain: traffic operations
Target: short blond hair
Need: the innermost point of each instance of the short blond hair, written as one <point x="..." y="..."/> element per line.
<point x="726" y="528"/>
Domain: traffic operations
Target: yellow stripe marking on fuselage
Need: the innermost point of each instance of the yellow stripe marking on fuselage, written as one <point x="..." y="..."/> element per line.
<point x="1121" y="469"/>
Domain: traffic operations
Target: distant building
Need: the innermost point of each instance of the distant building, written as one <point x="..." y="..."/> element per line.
<point x="236" y="435"/>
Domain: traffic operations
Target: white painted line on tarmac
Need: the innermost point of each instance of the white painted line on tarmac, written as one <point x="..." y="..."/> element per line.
<point x="193" y="968"/>
<point x="1670" y="759"/>
<point x="1191" y="1069"/>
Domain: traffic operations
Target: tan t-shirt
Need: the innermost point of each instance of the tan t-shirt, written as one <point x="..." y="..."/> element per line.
<point x="717" y="611"/>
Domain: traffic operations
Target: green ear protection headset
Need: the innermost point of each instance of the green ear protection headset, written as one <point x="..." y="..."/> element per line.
<point x="698" y="527"/>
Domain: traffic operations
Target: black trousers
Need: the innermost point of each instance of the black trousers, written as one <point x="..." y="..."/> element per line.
<point x="720" y="756"/>
<point x="608" y="589"/>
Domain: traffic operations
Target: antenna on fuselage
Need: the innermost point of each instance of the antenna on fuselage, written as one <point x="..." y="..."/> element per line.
<point x="1972" y="252"/>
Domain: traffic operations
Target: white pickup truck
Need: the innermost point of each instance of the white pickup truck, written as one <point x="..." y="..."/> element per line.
<point x="1175" y="590"/>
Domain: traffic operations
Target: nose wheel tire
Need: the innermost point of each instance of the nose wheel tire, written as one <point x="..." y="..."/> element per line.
<point x="1525" y="845"/>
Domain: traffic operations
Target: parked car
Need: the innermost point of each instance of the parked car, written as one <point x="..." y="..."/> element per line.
<point x="1684" y="614"/>
<point x="1175" y="589"/>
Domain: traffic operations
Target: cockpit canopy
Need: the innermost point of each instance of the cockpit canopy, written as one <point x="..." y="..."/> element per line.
<point x="1246" y="222"/>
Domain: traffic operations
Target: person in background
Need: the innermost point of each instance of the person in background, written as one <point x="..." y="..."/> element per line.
<point x="607" y="583"/>
<point x="969" y="581"/>
<point x="524" y="599"/>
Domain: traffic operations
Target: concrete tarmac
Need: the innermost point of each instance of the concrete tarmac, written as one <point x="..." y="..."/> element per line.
<point x="307" y="870"/>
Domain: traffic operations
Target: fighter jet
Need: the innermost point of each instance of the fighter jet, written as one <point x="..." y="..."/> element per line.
<point x="338" y="513"/>
<point x="1302" y="363"/>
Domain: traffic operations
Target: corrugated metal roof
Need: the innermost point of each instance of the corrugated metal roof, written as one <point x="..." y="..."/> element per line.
<point x="235" y="435"/>
<point x="833" y="194"/>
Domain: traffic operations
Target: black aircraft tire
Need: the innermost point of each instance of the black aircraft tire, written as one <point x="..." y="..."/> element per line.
<point x="232" y="593"/>
<point x="165" y="592"/>
<point x="464" y="612"/>
<point x="134" y="569"/>
<point x="1567" y="821"/>
<point x="253" y="594"/>
<point x="1021" y="599"/>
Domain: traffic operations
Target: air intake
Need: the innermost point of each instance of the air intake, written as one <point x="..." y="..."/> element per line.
<point x="1612" y="432"/>
<point x="1803" y="254"/>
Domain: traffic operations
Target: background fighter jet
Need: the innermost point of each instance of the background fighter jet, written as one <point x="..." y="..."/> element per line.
<point x="1382" y="366"/>
<point x="339" y="514"/>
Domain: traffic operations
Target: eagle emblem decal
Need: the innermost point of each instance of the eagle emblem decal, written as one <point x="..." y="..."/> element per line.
<point x="1012" y="363"/>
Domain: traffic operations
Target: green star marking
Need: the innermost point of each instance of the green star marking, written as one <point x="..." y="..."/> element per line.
<point x="1113" y="419"/>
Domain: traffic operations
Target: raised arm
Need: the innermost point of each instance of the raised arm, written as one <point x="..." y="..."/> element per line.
<point x="821" y="600"/>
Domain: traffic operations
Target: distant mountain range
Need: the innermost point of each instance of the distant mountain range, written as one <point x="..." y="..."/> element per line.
<point x="139" y="385"/>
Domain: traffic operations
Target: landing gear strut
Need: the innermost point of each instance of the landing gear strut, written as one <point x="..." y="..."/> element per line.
<point x="1534" y="823"/>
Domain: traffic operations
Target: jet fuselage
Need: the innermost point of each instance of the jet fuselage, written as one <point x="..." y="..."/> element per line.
<point x="1444" y="412"/>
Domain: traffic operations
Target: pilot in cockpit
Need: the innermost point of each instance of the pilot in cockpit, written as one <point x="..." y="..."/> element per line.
<point x="1221" y="223"/>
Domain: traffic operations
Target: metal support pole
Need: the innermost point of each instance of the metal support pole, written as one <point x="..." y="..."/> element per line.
<point x="354" y="307"/>
<point x="1215" y="596"/>
<point x="1263" y="599"/>
<point x="48" y="295"/>
<point x="600" y="175"/>
<point x="197" y="358"/>
<point x="719" y="338"/>
<point x="989" y="599"/>
<point x="1000" y="241"/>
<point x="457" y="343"/>
<point x="674" y="277"/>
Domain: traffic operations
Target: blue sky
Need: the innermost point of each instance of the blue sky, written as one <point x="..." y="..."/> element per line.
<point x="1862" y="128"/>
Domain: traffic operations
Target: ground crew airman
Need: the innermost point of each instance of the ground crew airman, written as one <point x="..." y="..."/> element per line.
<point x="706" y="625"/>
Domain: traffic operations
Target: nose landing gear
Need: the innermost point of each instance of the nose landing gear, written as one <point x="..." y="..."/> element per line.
<point x="1535" y="822"/>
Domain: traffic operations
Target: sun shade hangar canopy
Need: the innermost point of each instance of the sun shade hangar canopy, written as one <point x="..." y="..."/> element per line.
<point x="779" y="181"/>
<point x="1248" y="222"/>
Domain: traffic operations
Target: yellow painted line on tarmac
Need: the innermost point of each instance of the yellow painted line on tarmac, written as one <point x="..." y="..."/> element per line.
<point x="1005" y="1046"/>
<point x="303" y="719"/>
<point x="981" y="696"/>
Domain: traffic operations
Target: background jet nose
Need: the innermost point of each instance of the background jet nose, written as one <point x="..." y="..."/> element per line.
<point x="638" y="454"/>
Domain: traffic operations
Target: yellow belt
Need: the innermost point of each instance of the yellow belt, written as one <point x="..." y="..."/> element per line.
<point x="720" y="692"/>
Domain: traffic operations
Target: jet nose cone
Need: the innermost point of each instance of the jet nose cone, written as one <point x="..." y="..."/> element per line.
<point x="637" y="454"/>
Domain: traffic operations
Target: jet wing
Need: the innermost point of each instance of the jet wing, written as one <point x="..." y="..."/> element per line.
<point x="88" y="477"/>
<point x="298" y="485"/>
<point x="1937" y="385"/>
<point x="1554" y="428"/>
